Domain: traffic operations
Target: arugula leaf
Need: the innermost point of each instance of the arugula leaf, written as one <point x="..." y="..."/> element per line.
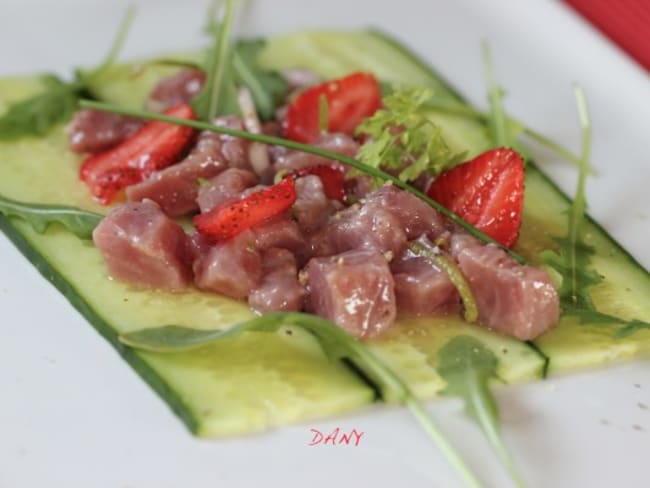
<point x="467" y="366"/>
<point x="573" y="259"/>
<point x="267" y="87"/>
<point x="404" y="138"/>
<point x="80" y="222"/>
<point x="336" y="343"/>
<point x="572" y="263"/>
<point x="36" y="115"/>
<point x="593" y="317"/>
<point x="219" y="93"/>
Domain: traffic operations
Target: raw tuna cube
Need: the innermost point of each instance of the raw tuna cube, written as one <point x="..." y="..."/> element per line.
<point x="280" y="289"/>
<point x="181" y="87"/>
<point x="312" y="208"/>
<point x="176" y="188"/>
<point x="516" y="300"/>
<point x="360" y="228"/>
<point x="92" y="131"/>
<point x="415" y="216"/>
<point x="421" y="288"/>
<point x="224" y="187"/>
<point x="232" y="268"/>
<point x="141" y="245"/>
<point x="338" y="143"/>
<point x="284" y="233"/>
<point x="355" y="290"/>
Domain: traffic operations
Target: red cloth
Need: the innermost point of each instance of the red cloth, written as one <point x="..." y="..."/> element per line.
<point x="626" y="22"/>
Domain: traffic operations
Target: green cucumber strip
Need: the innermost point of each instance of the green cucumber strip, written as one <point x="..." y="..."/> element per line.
<point x="217" y="392"/>
<point x="336" y="343"/>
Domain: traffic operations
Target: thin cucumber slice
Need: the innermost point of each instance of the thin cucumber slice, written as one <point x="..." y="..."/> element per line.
<point x="258" y="381"/>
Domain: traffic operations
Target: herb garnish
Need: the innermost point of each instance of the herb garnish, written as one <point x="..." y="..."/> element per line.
<point x="57" y="102"/>
<point x="279" y="141"/>
<point x="404" y="138"/>
<point x="336" y="343"/>
<point x="467" y="366"/>
<point x="497" y="120"/>
<point x="228" y="66"/>
<point x="80" y="222"/>
<point x="36" y="115"/>
<point x="219" y="93"/>
<point x="573" y="259"/>
<point x="266" y="87"/>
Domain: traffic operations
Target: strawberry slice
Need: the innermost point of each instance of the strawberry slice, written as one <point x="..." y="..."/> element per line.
<point x="332" y="178"/>
<point x="228" y="220"/>
<point x="155" y="146"/>
<point x="349" y="100"/>
<point x="487" y="192"/>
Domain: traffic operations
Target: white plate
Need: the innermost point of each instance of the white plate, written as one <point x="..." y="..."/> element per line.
<point x="73" y="414"/>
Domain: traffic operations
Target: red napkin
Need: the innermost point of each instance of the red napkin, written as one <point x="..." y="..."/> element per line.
<point x="626" y="22"/>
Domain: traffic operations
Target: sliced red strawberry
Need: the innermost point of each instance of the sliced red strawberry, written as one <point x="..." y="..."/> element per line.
<point x="155" y="146"/>
<point x="349" y="100"/>
<point x="228" y="220"/>
<point x="332" y="178"/>
<point x="487" y="192"/>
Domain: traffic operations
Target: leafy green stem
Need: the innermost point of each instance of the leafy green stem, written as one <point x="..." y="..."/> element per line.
<point x="577" y="211"/>
<point x="434" y="433"/>
<point x="79" y="222"/>
<point x="497" y="120"/>
<point x="336" y="343"/>
<point x="208" y="102"/>
<point x="278" y="141"/>
<point x="467" y="366"/>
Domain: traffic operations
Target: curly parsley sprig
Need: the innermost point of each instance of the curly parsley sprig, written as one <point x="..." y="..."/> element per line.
<point x="405" y="139"/>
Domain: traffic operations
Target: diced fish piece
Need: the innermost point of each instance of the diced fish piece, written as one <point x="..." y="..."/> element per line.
<point x="176" y="188"/>
<point x="232" y="268"/>
<point x="141" y="245"/>
<point x="224" y="187"/>
<point x="355" y="290"/>
<point x="280" y="289"/>
<point x="181" y="87"/>
<point x="92" y="131"/>
<point x="338" y="143"/>
<point x="513" y="299"/>
<point x="312" y="208"/>
<point x="421" y="288"/>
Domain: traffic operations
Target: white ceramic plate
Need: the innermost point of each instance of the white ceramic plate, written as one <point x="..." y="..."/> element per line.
<point x="73" y="414"/>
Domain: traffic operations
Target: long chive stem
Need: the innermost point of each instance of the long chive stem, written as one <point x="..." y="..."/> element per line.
<point x="219" y="58"/>
<point x="278" y="141"/>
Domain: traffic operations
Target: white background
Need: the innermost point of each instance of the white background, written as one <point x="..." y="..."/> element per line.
<point x="72" y="414"/>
